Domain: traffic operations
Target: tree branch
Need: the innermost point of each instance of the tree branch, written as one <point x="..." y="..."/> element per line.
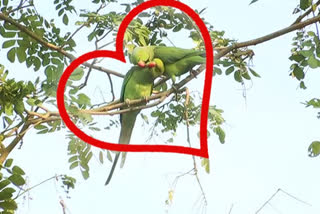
<point x="52" y="46"/>
<point x="6" y="151"/>
<point x="299" y="19"/>
<point x="265" y="38"/>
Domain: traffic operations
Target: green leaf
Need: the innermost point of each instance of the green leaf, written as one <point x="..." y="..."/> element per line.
<point x="312" y="62"/>
<point x="8" y="205"/>
<point x="177" y="28"/>
<point x="73" y="158"/>
<point x="144" y="14"/>
<point x="230" y="70"/>
<point x="6" y="193"/>
<point x="8" y="162"/>
<point x="5" y="2"/>
<point x="297" y="57"/>
<point x="315" y="103"/>
<point x="56" y="61"/>
<point x="65" y="19"/>
<point x="77" y="74"/>
<point x="253" y="1"/>
<point x="60" y="12"/>
<point x="254" y="73"/>
<point x="8" y="43"/>
<point x="298" y="72"/>
<point x="314" y="149"/>
<point x="8" y="109"/>
<point x="246" y="75"/>
<point x="40" y="127"/>
<point x="237" y="76"/>
<point x="17" y="170"/>
<point x="83" y="99"/>
<point x="206" y="164"/>
<point x="217" y="70"/>
<point x="7" y="34"/>
<point x="17" y="180"/>
<point x="85" y="174"/>
<point x="74" y="165"/>
<point x="21" y="54"/>
<point x="306" y="53"/>
<point x="101" y="157"/>
<point x="19" y="107"/>
<point x="142" y="41"/>
<point x="219" y="131"/>
<point x="4" y="183"/>
<point x="304" y="4"/>
<point x="11" y="54"/>
<point x="302" y="85"/>
<point x="91" y="36"/>
<point x="109" y="156"/>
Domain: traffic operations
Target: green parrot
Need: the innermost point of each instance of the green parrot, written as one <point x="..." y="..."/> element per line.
<point x="177" y="61"/>
<point x="137" y="84"/>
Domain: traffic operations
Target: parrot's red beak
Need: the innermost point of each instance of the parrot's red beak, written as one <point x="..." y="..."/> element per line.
<point x="142" y="64"/>
<point x="151" y="64"/>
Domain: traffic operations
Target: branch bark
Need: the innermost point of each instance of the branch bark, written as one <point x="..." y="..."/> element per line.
<point x="265" y="38"/>
<point x="52" y="46"/>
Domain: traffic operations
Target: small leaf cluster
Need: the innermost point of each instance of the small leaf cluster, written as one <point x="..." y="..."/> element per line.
<point x="216" y="120"/>
<point x="11" y="179"/>
<point x="170" y="115"/>
<point x="64" y="6"/>
<point x="12" y="94"/>
<point x="80" y="153"/>
<point x="236" y="65"/>
<point x="314" y="148"/>
<point x="235" y="62"/>
<point x="305" y="54"/>
<point x="68" y="183"/>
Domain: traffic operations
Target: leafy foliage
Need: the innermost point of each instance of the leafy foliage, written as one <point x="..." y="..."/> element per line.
<point x="11" y="180"/>
<point x="81" y="154"/>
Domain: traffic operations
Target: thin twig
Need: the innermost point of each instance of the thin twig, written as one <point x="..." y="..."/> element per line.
<point x="295" y="198"/>
<point x="299" y="19"/>
<point x="189" y="142"/>
<point x="265" y="203"/>
<point x="44" y="181"/>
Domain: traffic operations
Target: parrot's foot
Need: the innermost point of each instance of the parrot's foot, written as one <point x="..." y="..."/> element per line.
<point x="145" y="99"/>
<point x="193" y="73"/>
<point x="127" y="102"/>
<point x="176" y="90"/>
<point x="174" y="87"/>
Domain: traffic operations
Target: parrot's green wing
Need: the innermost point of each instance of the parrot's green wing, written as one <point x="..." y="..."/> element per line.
<point x="124" y="84"/>
<point x="137" y="84"/>
<point x="182" y="66"/>
<point x="171" y="55"/>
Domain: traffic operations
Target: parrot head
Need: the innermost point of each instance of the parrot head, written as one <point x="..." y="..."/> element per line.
<point x="157" y="67"/>
<point x="140" y="56"/>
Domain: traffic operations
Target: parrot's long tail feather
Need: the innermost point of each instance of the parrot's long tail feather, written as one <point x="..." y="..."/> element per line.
<point x="127" y="124"/>
<point x="113" y="168"/>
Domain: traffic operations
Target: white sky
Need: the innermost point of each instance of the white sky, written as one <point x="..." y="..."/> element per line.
<point x="266" y="145"/>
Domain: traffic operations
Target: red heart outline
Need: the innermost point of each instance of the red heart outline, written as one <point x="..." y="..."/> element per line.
<point x="118" y="55"/>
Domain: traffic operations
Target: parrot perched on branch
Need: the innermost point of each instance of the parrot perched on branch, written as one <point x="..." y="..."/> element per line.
<point x="137" y="84"/>
<point x="177" y="61"/>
